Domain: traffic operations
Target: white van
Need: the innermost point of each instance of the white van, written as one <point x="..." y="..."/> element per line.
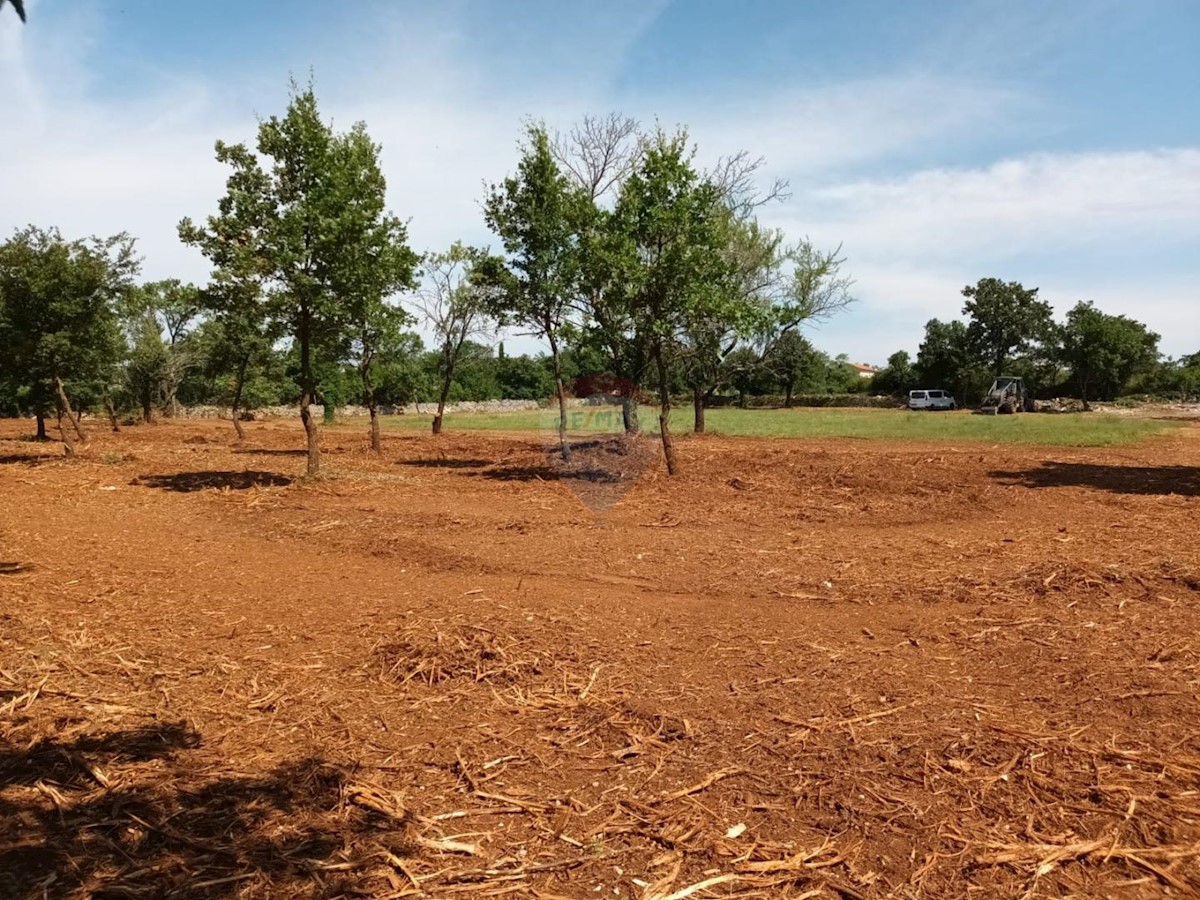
<point x="931" y="400"/>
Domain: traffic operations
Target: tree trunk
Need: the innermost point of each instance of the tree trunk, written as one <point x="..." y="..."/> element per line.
<point x="376" y="442"/>
<point x="698" y="410"/>
<point x="372" y="406"/>
<point x="787" y="396"/>
<point x="1083" y="394"/>
<point x="67" y="441"/>
<point x="64" y="435"/>
<point x="664" y="413"/>
<point x="41" y="427"/>
<point x="147" y="401"/>
<point x="562" y="397"/>
<point x="112" y="414"/>
<point x="741" y="399"/>
<point x="442" y="398"/>
<point x="629" y="415"/>
<point x="235" y="406"/>
<point x="310" y="432"/>
<point x="65" y="406"/>
<point x="307" y="390"/>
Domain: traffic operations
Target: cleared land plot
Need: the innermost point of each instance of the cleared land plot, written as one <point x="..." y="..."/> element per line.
<point x="805" y="668"/>
<point x="1073" y="430"/>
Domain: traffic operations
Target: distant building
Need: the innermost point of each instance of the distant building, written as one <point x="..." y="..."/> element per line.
<point x="864" y="370"/>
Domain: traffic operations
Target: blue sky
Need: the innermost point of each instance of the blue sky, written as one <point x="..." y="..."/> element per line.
<point x="1057" y="144"/>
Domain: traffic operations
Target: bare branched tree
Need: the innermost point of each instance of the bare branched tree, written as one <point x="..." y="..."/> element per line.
<point x="454" y="309"/>
<point x="598" y="152"/>
<point x="736" y="177"/>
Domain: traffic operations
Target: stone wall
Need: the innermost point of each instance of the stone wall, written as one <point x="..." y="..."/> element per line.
<point x="350" y="412"/>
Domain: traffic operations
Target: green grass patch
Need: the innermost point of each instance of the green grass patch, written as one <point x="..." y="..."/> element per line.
<point x="1070" y="430"/>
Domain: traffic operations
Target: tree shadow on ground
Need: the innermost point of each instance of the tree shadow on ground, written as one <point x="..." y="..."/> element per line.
<point x="64" y="764"/>
<point x="447" y="463"/>
<point x="1149" y="480"/>
<point x="186" y="482"/>
<point x="25" y="459"/>
<point x="265" y="452"/>
<point x="613" y="446"/>
<point x="130" y="814"/>
<point x="547" y="473"/>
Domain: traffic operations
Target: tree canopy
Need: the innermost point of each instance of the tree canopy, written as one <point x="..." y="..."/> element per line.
<point x="1105" y="351"/>
<point x="1004" y="317"/>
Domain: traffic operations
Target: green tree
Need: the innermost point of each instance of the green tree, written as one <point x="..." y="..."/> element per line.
<point x="159" y="317"/>
<point x="378" y="328"/>
<point x="672" y="267"/>
<point x="236" y="242"/>
<point x="241" y="344"/>
<point x="1187" y="377"/>
<point x="898" y="377"/>
<point x="756" y="289"/>
<point x="454" y="305"/>
<point x="945" y="360"/>
<point x="147" y="364"/>
<point x="537" y="214"/>
<point x="301" y="226"/>
<point x="744" y="370"/>
<point x="1004" y="317"/>
<point x="474" y="373"/>
<point x="1104" y="352"/>
<point x="608" y="326"/>
<point x="842" y="377"/>
<point x="818" y="288"/>
<point x="524" y="378"/>
<point x="791" y="360"/>
<point x="373" y="263"/>
<point x="801" y="284"/>
<point x="59" y="327"/>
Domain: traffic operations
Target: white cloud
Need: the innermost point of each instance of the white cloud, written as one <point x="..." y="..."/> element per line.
<point x="1036" y="203"/>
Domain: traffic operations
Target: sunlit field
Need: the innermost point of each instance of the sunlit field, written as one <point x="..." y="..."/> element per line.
<point x="1072" y="430"/>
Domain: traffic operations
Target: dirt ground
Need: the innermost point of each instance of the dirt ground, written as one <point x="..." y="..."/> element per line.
<point x="828" y="669"/>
